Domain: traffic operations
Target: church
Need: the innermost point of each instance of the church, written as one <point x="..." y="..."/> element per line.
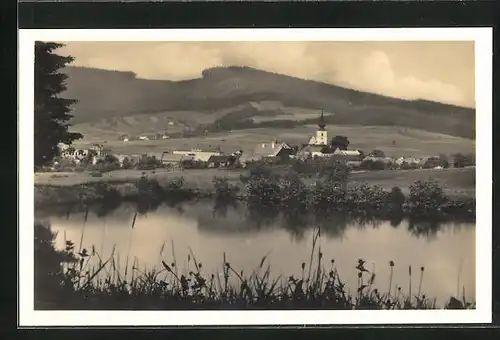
<point x="319" y="145"/>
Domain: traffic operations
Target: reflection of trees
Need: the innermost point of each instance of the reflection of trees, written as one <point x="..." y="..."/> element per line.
<point x="220" y="208"/>
<point x="333" y="225"/>
<point x="395" y="218"/>
<point x="254" y="217"/>
<point x="262" y="216"/>
<point x="427" y="229"/>
<point x="296" y="223"/>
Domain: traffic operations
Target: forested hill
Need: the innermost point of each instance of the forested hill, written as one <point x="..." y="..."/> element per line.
<point x="106" y="94"/>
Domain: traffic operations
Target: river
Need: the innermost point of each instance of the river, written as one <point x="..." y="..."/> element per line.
<point x="446" y="251"/>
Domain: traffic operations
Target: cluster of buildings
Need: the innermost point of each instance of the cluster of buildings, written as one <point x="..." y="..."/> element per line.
<point x="94" y="153"/>
<point x="274" y="151"/>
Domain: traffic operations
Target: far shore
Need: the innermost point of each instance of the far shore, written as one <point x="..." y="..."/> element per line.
<point x="67" y="188"/>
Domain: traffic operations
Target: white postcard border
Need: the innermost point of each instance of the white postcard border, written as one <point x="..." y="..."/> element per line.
<point x="27" y="316"/>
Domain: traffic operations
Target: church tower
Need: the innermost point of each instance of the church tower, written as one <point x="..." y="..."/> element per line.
<point x="321" y="133"/>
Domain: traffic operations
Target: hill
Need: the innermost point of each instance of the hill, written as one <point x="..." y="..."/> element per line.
<point x="238" y="95"/>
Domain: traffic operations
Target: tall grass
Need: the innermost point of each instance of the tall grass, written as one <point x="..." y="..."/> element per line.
<point x="83" y="280"/>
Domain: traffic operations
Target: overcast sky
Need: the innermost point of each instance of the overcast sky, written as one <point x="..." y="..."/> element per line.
<point x="440" y="71"/>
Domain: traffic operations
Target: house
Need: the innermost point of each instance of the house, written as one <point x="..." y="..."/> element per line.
<point x="198" y="154"/>
<point x="314" y="151"/>
<point x="274" y="149"/>
<point x="171" y="159"/>
<point x="219" y="161"/>
<point x="408" y="160"/>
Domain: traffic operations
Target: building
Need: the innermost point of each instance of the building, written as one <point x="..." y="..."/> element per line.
<point x="173" y="160"/>
<point x="318" y="146"/>
<point x="198" y="154"/>
<point x="219" y="161"/>
<point x="275" y="149"/>
<point x="321" y="137"/>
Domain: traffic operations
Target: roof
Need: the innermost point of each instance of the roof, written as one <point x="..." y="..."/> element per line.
<point x="378" y="159"/>
<point x="353" y="153"/>
<point x="267" y="149"/>
<point x="221" y="158"/>
<point x="169" y="157"/>
<point x="194" y="150"/>
<point x="313" y="148"/>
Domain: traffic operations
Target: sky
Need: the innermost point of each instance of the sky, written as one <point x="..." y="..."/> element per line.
<point x="442" y="71"/>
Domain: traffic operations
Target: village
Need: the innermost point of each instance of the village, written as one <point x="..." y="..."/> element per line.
<point x="98" y="157"/>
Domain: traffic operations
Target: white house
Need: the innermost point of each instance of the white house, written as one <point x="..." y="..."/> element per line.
<point x="198" y="154"/>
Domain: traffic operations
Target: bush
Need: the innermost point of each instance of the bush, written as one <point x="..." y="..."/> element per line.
<point x="377" y="153"/>
<point x="127" y="163"/>
<point x="224" y="191"/>
<point x="370" y="164"/>
<point x="148" y="163"/>
<point x="462" y="160"/>
<point x="334" y="171"/>
<point x="327" y="196"/>
<point x="293" y="191"/>
<point x="149" y="189"/>
<point x="365" y="197"/>
<point x="426" y="198"/>
<point x="396" y="199"/>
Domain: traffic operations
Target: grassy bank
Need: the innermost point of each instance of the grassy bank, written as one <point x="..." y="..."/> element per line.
<point x="57" y="188"/>
<point x="73" y="278"/>
<point x="266" y="190"/>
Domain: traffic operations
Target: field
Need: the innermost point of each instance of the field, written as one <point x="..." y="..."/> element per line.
<point x="394" y="141"/>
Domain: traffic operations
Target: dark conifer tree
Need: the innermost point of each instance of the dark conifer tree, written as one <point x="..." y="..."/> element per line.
<point x="52" y="113"/>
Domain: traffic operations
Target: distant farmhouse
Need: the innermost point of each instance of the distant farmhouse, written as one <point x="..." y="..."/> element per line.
<point x="273" y="150"/>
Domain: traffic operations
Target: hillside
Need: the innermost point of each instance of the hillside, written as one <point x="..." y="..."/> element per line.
<point x="237" y="94"/>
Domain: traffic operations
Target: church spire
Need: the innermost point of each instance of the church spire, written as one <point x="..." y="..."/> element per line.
<point x="321" y="123"/>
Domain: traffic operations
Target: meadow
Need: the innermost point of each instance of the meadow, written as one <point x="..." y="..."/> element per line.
<point x="394" y="141"/>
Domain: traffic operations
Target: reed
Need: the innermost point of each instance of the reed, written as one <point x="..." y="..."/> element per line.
<point x="82" y="284"/>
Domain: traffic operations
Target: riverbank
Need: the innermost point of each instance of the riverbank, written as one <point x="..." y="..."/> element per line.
<point x="74" y="278"/>
<point x="70" y="188"/>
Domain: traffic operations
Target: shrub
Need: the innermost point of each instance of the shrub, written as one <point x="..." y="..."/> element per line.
<point x="426" y="198"/>
<point x="293" y="191"/>
<point x="148" y="163"/>
<point x="263" y="191"/>
<point x="462" y="160"/>
<point x="334" y="171"/>
<point x="365" y="197"/>
<point x="327" y="195"/>
<point x="377" y="153"/>
<point x="370" y="164"/>
<point x="224" y="190"/>
<point x="192" y="164"/>
<point x="149" y="189"/>
<point x="396" y="198"/>
<point x="127" y="163"/>
<point x="107" y="164"/>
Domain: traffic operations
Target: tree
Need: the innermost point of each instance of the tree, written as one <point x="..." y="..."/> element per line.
<point x="52" y="113"/>
<point x="377" y="153"/>
<point x="340" y="142"/>
<point x="462" y="160"/>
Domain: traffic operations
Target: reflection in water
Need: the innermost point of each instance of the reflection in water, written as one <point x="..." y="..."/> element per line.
<point x="447" y="250"/>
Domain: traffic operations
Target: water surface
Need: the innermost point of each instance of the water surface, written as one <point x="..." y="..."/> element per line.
<point x="447" y="251"/>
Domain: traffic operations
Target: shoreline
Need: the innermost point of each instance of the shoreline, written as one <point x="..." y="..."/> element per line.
<point x="72" y="188"/>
